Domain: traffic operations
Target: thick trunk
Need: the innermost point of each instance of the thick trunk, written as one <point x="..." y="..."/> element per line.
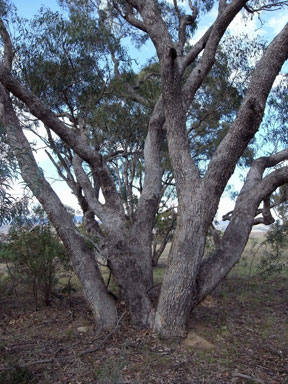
<point x="128" y="245"/>
<point x="83" y="261"/>
<point x="128" y="253"/>
<point x="198" y="199"/>
<point x="132" y="285"/>
<point x="175" y="301"/>
<point x="189" y="279"/>
<point x="188" y="244"/>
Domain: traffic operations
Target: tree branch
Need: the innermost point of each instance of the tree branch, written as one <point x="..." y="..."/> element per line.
<point x="211" y="40"/>
<point x="267" y="217"/>
<point x="273" y="6"/>
<point x="184" y="21"/>
<point x="85" y="183"/>
<point x="8" y="48"/>
<point x="39" y="110"/>
<point x="129" y="16"/>
<point x="250" y="114"/>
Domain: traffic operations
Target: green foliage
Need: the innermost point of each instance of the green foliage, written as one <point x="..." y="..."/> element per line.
<point x="65" y="61"/>
<point x="110" y="372"/>
<point x="266" y="257"/>
<point x="5" y="287"/>
<point x="163" y="229"/>
<point x="213" y="110"/>
<point x="75" y="63"/>
<point x="280" y="201"/>
<point x="33" y="251"/>
<point x="16" y="374"/>
<point x="275" y="124"/>
<point x="163" y="221"/>
<point x="7" y="173"/>
<point x="273" y="258"/>
<point x="6" y="8"/>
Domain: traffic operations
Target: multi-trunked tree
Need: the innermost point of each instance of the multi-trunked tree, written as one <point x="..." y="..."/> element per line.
<point x="72" y="108"/>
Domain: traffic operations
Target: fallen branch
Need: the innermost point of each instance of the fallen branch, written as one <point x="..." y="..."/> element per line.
<point x="91" y="350"/>
<point x="255" y="379"/>
<point x="69" y="359"/>
<point x="36" y="362"/>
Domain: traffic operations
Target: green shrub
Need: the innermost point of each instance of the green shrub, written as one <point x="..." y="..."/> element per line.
<point x="33" y="251"/>
<point x="17" y="375"/>
<point x="110" y="372"/>
<point x="273" y="258"/>
<point x="5" y="285"/>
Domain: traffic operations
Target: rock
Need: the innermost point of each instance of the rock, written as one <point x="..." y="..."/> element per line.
<point x="197" y="342"/>
<point x="82" y="329"/>
<point x="209" y="302"/>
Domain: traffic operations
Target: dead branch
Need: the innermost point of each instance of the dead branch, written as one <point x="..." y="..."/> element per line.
<point x="255" y="379"/>
<point x="69" y="359"/>
<point x="91" y="350"/>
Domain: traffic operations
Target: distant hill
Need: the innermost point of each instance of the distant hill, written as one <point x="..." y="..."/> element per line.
<point x="257" y="231"/>
<point x="78" y="219"/>
<point x="222" y="225"/>
<point x="5" y="228"/>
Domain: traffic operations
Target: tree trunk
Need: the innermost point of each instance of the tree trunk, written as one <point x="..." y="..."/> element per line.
<point x="179" y="282"/>
<point x="128" y="264"/>
<point x="83" y="261"/>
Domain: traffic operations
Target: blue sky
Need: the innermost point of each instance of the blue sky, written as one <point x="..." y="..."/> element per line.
<point x="28" y="8"/>
<point x="273" y="23"/>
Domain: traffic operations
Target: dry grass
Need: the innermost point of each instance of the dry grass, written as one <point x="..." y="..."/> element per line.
<point x="247" y="327"/>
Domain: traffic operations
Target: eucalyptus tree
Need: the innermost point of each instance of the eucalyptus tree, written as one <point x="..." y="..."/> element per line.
<point x="68" y="98"/>
<point x="189" y="277"/>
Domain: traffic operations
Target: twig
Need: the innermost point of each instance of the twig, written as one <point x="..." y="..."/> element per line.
<point x="255" y="379"/>
<point x="91" y="350"/>
<point x="36" y="362"/>
<point x="154" y="286"/>
<point x="69" y="359"/>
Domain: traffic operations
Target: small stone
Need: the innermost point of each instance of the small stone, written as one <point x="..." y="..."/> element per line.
<point x="82" y="329"/>
<point x="197" y="342"/>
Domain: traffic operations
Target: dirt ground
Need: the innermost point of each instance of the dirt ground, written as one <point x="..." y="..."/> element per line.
<point x="241" y="337"/>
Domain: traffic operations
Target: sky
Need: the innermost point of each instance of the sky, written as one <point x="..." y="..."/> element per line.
<point x="269" y="25"/>
<point x="28" y="8"/>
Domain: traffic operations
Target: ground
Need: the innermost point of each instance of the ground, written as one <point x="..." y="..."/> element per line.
<point x="241" y="337"/>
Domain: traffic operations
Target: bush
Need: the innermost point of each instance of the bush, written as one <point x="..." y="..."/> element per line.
<point x="17" y="375"/>
<point x="272" y="260"/>
<point x="33" y="251"/>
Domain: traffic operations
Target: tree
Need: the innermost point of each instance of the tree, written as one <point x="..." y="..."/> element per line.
<point x="184" y="71"/>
